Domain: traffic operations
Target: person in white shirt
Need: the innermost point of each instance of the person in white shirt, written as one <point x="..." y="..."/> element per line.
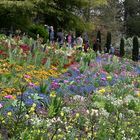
<point x="79" y="42"/>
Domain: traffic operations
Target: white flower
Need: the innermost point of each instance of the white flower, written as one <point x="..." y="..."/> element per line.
<point x="87" y="111"/>
<point x="94" y="112"/>
<point x="66" y="109"/>
<point x="79" y="98"/>
<point x="104" y="113"/>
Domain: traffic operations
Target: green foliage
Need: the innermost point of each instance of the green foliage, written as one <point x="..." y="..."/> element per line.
<point x="64" y="14"/>
<point x="135" y="51"/>
<point x="43" y="87"/>
<point x="55" y="105"/>
<point x="122" y="47"/>
<point x="35" y="30"/>
<point x="133" y="24"/>
<point x="15" y="14"/>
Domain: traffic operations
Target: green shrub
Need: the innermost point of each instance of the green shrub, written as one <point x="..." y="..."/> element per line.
<point x="38" y="29"/>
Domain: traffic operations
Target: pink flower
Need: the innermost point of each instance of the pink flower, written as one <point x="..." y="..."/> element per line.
<point x="66" y="81"/>
<point x="55" y="85"/>
<point x="116" y="76"/>
<point x="9" y="96"/>
<point x="54" y="68"/>
<point x="31" y="84"/>
<point x="103" y="72"/>
<point x="1" y="105"/>
<point x="27" y="76"/>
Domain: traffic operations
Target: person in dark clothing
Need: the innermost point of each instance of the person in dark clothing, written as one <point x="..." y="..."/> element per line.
<point x="69" y="40"/>
<point x="97" y="46"/>
<point x="60" y="38"/>
<point x="51" y="35"/>
<point x="86" y="46"/>
<point x="86" y="41"/>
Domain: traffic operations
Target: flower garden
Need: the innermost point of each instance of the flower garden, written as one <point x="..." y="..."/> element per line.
<point x="48" y="93"/>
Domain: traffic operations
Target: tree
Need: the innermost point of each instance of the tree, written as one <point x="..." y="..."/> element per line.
<point x="16" y="13"/>
<point x="122" y="47"/>
<point x="135" y="50"/>
<point x="99" y="36"/>
<point x="108" y="17"/>
<point x="108" y="41"/>
<point x="59" y="13"/>
<point x="132" y="17"/>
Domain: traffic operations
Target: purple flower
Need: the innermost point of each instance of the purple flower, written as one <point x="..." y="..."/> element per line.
<point x="78" y="81"/>
<point x="104" y="79"/>
<point x="98" y="59"/>
<point x="27" y="76"/>
<point x="116" y="76"/>
<point x="55" y="85"/>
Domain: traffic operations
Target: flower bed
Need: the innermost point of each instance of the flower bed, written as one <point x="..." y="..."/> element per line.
<point x="93" y="98"/>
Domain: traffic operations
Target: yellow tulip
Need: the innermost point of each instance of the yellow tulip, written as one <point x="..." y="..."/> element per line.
<point x="9" y="113"/>
<point x="102" y="91"/>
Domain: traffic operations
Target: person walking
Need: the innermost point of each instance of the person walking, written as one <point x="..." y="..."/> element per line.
<point x="69" y="40"/>
<point x="51" y="35"/>
<point x="98" y="46"/>
<point x="79" y="42"/>
<point x="85" y="41"/>
<point x="94" y="44"/>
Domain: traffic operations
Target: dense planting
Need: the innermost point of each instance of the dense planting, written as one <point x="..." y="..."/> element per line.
<point x="51" y="93"/>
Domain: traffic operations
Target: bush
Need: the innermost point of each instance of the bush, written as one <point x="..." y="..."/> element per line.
<point x="38" y="29"/>
<point x="135" y="51"/>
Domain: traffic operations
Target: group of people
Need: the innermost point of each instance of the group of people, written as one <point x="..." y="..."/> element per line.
<point x="69" y="40"/>
<point x="61" y="38"/>
<point x="81" y="42"/>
